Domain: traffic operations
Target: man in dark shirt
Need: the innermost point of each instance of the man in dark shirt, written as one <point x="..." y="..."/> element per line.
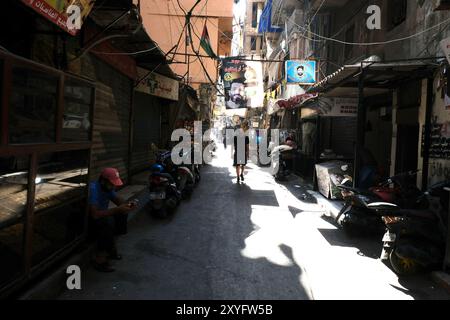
<point x="101" y="192"/>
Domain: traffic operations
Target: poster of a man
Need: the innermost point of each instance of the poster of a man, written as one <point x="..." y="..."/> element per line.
<point x="301" y="72"/>
<point x="242" y="83"/>
<point x="233" y="75"/>
<point x="236" y="95"/>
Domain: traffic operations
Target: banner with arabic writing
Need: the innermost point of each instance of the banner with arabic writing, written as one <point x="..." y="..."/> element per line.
<point x="57" y="11"/>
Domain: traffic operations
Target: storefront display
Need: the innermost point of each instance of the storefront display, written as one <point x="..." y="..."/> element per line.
<point x="44" y="166"/>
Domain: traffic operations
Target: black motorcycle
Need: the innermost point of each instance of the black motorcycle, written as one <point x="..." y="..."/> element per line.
<point x="415" y="239"/>
<point x="182" y="175"/>
<point x="356" y="216"/>
<point x="163" y="193"/>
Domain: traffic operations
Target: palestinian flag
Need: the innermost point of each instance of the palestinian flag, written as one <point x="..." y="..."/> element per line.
<point x="205" y="43"/>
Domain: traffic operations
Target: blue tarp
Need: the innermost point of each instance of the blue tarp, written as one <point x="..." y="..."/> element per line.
<point x="265" y="22"/>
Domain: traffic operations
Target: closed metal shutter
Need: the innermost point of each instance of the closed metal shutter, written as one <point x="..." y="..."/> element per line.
<point x="146" y="130"/>
<point x="343" y="135"/>
<point x="111" y="120"/>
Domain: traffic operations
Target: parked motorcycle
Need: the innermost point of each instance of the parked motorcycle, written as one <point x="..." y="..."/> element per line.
<point x="415" y="239"/>
<point x="164" y="195"/>
<point x="182" y="175"/>
<point x="358" y="218"/>
<point x="194" y="168"/>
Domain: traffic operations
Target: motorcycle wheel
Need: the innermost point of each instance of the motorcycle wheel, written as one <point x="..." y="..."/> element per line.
<point x="350" y="230"/>
<point x="402" y="266"/>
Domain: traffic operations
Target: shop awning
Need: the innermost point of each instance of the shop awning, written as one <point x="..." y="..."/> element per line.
<point x="379" y="77"/>
<point x="135" y="42"/>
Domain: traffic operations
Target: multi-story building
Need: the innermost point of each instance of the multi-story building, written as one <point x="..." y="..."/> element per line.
<point x="252" y="40"/>
<point x="400" y="98"/>
<point x="165" y="21"/>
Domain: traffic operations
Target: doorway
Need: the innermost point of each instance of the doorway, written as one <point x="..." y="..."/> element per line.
<point x="407" y="147"/>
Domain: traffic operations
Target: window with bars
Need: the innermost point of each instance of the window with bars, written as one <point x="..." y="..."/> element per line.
<point x="256" y="43"/>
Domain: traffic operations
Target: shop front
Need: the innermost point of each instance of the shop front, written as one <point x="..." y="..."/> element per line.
<point x="46" y="143"/>
<point x="326" y="132"/>
<point x="388" y="114"/>
<point x="155" y="98"/>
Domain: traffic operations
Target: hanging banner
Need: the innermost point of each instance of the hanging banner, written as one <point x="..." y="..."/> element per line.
<point x="69" y="15"/>
<point x="301" y="72"/>
<point x="243" y="83"/>
<point x="445" y="45"/>
<point x="335" y="107"/>
<point x="158" y="85"/>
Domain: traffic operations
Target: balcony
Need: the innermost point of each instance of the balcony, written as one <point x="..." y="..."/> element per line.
<point x="281" y="9"/>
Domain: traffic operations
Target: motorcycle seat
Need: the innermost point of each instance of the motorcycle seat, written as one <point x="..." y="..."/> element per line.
<point x="383" y="206"/>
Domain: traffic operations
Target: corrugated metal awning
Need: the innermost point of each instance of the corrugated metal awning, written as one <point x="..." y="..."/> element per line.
<point x="378" y="77"/>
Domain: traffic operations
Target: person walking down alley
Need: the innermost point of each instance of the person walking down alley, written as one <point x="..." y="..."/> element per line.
<point x="240" y="157"/>
<point x="104" y="220"/>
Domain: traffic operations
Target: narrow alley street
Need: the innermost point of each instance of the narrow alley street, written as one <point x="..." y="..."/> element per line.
<point x="255" y="240"/>
<point x="104" y="102"/>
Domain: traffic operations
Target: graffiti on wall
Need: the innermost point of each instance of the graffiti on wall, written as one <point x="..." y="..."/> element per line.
<point x="440" y="141"/>
<point x="440" y="169"/>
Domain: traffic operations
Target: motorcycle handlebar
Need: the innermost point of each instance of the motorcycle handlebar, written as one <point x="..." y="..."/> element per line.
<point x="393" y="179"/>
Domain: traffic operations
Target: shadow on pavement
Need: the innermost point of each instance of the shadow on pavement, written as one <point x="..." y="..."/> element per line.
<point x="369" y="246"/>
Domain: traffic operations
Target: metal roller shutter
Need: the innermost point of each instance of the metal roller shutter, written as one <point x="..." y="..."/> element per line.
<point x="343" y="135"/>
<point x="111" y="120"/>
<point x="146" y="130"/>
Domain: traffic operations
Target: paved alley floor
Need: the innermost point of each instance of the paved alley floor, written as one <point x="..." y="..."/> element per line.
<point x="256" y="240"/>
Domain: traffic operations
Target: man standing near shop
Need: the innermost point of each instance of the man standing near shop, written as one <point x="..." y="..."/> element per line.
<point x="101" y="193"/>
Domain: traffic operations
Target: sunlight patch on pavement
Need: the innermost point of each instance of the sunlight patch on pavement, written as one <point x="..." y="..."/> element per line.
<point x="330" y="265"/>
<point x="270" y="224"/>
<point x="338" y="272"/>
